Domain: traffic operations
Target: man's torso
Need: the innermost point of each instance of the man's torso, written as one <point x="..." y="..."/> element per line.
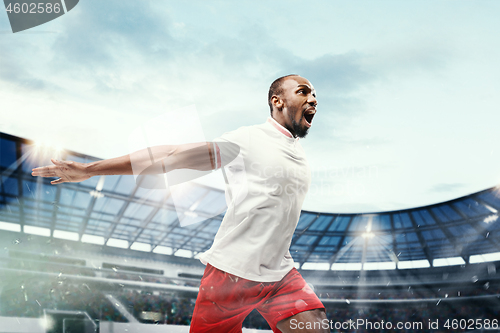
<point x="267" y="184"/>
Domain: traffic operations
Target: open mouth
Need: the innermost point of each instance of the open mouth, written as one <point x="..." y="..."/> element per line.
<point x="309" y="115"/>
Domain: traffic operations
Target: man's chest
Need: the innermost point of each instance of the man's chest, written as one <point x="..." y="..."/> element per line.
<point x="277" y="162"/>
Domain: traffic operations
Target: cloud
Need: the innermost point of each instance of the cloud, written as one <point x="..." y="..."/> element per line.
<point x="19" y="76"/>
<point x="109" y="34"/>
<point x="113" y="51"/>
<point x="412" y="57"/>
<point x="336" y="74"/>
<point x="20" y="62"/>
<point x="360" y="142"/>
<point x="444" y="187"/>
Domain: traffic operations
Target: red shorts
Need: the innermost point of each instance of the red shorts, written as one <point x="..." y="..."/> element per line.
<point x="224" y="300"/>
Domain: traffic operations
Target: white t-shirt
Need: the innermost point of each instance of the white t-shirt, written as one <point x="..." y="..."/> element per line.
<point x="266" y="186"/>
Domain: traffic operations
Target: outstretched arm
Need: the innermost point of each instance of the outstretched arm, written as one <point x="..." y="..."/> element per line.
<point x="152" y="160"/>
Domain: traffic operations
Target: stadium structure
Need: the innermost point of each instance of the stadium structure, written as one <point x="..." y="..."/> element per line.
<point x="107" y="255"/>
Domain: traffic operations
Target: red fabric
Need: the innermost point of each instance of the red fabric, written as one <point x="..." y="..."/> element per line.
<point x="279" y="128"/>
<point x="224" y="300"/>
<point x="219" y="162"/>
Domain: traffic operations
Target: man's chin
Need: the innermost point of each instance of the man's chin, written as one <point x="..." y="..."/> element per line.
<point x="304" y="134"/>
<point x="301" y="132"/>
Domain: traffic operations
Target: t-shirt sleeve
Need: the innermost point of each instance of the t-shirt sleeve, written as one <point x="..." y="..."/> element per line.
<point x="229" y="146"/>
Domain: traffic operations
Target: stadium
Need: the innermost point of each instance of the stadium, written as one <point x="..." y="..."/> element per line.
<point x="398" y="230"/>
<point x="106" y="255"/>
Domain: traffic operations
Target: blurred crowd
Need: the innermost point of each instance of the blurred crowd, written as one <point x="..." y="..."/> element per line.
<point x="460" y="315"/>
<point x="412" y="292"/>
<point x="28" y="295"/>
<point x="172" y="309"/>
<point x="149" y="278"/>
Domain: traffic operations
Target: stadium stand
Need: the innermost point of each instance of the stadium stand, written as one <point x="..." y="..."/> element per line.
<point x="112" y="250"/>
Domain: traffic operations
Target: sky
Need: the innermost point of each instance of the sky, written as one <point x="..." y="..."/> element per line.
<point x="408" y="102"/>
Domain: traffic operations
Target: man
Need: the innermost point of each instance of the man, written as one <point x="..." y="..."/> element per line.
<point x="249" y="265"/>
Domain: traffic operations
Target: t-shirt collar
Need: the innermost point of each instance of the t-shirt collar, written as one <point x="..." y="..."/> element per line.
<point x="280" y="128"/>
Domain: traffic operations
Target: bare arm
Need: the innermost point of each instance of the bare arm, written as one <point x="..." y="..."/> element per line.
<point x="152" y="160"/>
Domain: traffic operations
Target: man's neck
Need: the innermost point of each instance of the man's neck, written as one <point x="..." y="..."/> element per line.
<point x="280" y="127"/>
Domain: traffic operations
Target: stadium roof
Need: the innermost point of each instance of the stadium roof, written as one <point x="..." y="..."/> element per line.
<point x="115" y="211"/>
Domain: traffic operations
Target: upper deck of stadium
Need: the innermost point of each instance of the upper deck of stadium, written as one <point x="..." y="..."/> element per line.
<point x="114" y="211"/>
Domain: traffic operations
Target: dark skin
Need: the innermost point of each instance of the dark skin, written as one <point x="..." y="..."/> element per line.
<point x="291" y="109"/>
<point x="295" y="107"/>
<point x="299" y="322"/>
<point x="197" y="156"/>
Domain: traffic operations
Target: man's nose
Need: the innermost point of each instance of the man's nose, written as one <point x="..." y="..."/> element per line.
<point x="312" y="100"/>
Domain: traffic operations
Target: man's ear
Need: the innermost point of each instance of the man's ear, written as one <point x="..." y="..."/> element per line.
<point x="277" y="102"/>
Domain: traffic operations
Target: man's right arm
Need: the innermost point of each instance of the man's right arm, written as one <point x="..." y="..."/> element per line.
<point x="151" y="160"/>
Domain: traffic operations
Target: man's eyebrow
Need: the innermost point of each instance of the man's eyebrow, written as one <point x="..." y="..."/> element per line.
<point x="302" y="86"/>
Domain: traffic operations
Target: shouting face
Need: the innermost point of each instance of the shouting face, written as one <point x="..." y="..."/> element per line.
<point x="296" y="105"/>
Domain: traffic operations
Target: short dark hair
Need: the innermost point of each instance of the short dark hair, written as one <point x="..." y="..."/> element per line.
<point x="276" y="89"/>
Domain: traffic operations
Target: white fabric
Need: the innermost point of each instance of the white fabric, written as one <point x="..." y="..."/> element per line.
<point x="267" y="184"/>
